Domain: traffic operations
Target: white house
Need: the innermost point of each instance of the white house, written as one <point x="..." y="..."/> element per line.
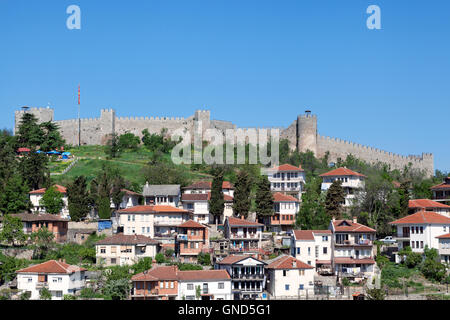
<point x="428" y="205"/>
<point x="164" y="194"/>
<point x="247" y="274"/>
<point x="36" y="197"/>
<point x="129" y="199"/>
<point x="212" y="285"/>
<point x="444" y="248"/>
<point x="58" y="277"/>
<point x="313" y="247"/>
<point x="289" y="277"/>
<point x="286" y="208"/>
<point x="244" y="235"/>
<point x="421" y="229"/>
<point x="287" y="179"/>
<point x="123" y="249"/>
<point x="352" y="182"/>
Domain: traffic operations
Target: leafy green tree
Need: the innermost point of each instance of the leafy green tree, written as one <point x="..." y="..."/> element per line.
<point x="112" y="147"/>
<point x="128" y="141"/>
<point x="9" y="266"/>
<point x="217" y="203"/>
<point x="165" y="173"/>
<point x="431" y="268"/>
<point x="117" y="289"/>
<point x="12" y="230"/>
<point x="264" y="199"/>
<point x="104" y="208"/>
<point x="204" y="259"/>
<point x="242" y="192"/>
<point x="26" y="295"/>
<point x="34" y="170"/>
<point x="117" y="193"/>
<point x="79" y="199"/>
<point x="43" y="241"/>
<point x="335" y="199"/>
<point x="52" y="200"/>
<point x="142" y="265"/>
<point x="159" y="257"/>
<point x="101" y="188"/>
<point x="69" y="297"/>
<point x="312" y="214"/>
<point x="51" y="138"/>
<point x="45" y="294"/>
<point x="375" y="294"/>
<point x="14" y="196"/>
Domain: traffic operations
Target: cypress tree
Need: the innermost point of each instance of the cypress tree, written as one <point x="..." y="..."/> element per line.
<point x="78" y="199"/>
<point x="216" y="203"/>
<point x="264" y="199"/>
<point x="334" y="199"/>
<point x="242" y="200"/>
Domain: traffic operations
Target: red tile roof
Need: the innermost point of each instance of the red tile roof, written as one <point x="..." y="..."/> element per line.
<point x="288" y="262"/>
<point x="242" y="222"/>
<point x="423" y="217"/>
<point x="279" y="197"/>
<point x="426" y="203"/>
<point x="157" y="273"/>
<point x="353" y="261"/>
<point x="194" y="275"/>
<point x="443" y="185"/>
<point x="121" y="238"/>
<point x="23" y="150"/>
<point x="232" y="258"/>
<point x="152" y="209"/>
<point x="350" y="226"/>
<point x="52" y="266"/>
<point x="202" y="197"/>
<point x="287" y="167"/>
<point x="30" y="217"/>
<point x="42" y="191"/>
<point x="208" y="184"/>
<point x="308" y="234"/>
<point x="342" y="172"/>
<point x="444" y="236"/>
<point x="191" y="224"/>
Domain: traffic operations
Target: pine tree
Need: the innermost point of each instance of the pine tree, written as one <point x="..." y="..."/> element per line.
<point x="242" y="199"/>
<point x="404" y="199"/>
<point x="334" y="199"/>
<point x="34" y="170"/>
<point x="264" y="199"/>
<point x="216" y="202"/>
<point x="79" y="200"/>
<point x="117" y="194"/>
<point x="29" y="133"/>
<point x="51" y="136"/>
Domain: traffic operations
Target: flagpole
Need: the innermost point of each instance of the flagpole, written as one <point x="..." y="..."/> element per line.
<point x="79" y="121"/>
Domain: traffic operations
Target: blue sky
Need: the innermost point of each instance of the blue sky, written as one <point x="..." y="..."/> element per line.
<point x="253" y="62"/>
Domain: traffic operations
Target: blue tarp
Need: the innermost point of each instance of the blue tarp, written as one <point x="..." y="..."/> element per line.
<point x="66" y="153"/>
<point x="104" y="224"/>
<point x="53" y="152"/>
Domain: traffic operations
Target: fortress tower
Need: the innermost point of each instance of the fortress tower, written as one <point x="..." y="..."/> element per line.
<point x="307" y="132"/>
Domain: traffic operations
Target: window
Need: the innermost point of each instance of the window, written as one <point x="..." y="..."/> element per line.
<point x="102" y="249"/>
<point x="129" y="218"/>
<point x="309" y="251"/>
<point x="143" y="229"/>
<point x="58" y="294"/>
<point x="412" y="244"/>
<point x="284" y="273"/>
<point x="287" y="287"/>
<point x="167" y="284"/>
<point x="190" y="286"/>
<point x="161" y="284"/>
<point x="325" y="250"/>
<point x="171" y="284"/>
<point x="301" y="272"/>
<point x="301" y="287"/>
<point x="113" y="249"/>
<point x="113" y="261"/>
<point x="324" y="238"/>
<point x="298" y="250"/>
<point x="421" y="230"/>
<point x="221" y="285"/>
<point x="421" y="244"/>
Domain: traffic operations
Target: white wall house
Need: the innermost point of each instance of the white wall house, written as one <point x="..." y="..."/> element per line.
<point x="428" y="205"/>
<point x="36" y="197"/>
<point x="165" y="194"/>
<point x="352" y="182"/>
<point x="287" y="179"/>
<point x="421" y="229"/>
<point x="129" y="199"/>
<point x="314" y="248"/>
<point x="285" y="211"/>
<point x="214" y="285"/>
<point x="289" y="277"/>
<point x="123" y="249"/>
<point x="444" y="248"/>
<point x="244" y="235"/>
<point x="58" y="277"/>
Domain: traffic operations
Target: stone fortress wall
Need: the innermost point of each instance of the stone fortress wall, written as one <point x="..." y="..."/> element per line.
<point x="301" y="134"/>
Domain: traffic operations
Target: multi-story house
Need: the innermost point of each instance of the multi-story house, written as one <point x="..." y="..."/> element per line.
<point x="352" y="249"/>
<point x="352" y="182"/>
<point x="154" y="221"/>
<point x="58" y="277"/>
<point x="164" y="194"/>
<point x="159" y="283"/>
<point x="198" y="204"/>
<point x="313" y="247"/>
<point x="192" y="239"/>
<point x="36" y="197"/>
<point x="129" y="199"/>
<point x="287" y="179"/>
<point x="247" y="274"/>
<point x="444" y="248"/>
<point x="441" y="192"/>
<point x="244" y="236"/>
<point x="428" y="205"/>
<point x="421" y="229"/>
<point x="121" y="249"/>
<point x="288" y="277"/>
<point x="204" y="285"/>
<point x="54" y="223"/>
<point x="286" y="208"/>
<point x="205" y="187"/>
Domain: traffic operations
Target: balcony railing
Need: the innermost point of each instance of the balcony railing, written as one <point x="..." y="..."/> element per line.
<point x="248" y="276"/>
<point x="41" y="285"/>
<point x="245" y="235"/>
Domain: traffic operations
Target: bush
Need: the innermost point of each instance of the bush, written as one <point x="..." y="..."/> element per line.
<point x="25" y="295"/>
<point x="204" y="259"/>
<point x="189" y="266"/>
<point x="69" y="297"/>
<point x="160" y="258"/>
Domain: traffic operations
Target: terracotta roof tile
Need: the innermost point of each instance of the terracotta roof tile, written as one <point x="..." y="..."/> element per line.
<point x="52" y="266"/>
<point x="342" y="172"/>
<point x="308" y="234"/>
<point x="242" y="222"/>
<point x="121" y="238"/>
<point x="30" y="217"/>
<point x="287" y="167"/>
<point x="423" y="217"/>
<point x="353" y="261"/>
<point x="288" y="262"/>
<point x="279" y="197"/>
<point x="350" y="226"/>
<point x="193" y="275"/>
<point x="157" y="273"/>
<point x="231" y="259"/>
<point x="42" y="191"/>
<point x="426" y="203"/>
<point x="444" y="236"/>
<point x="152" y="209"/>
<point x="202" y="197"/>
<point x="208" y="184"/>
<point x="191" y="224"/>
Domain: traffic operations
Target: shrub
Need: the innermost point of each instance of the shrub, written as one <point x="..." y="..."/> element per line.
<point x="160" y="258"/>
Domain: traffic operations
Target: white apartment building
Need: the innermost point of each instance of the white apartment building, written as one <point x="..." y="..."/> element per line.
<point x="212" y="285"/>
<point x="352" y="182"/>
<point x="152" y="220"/>
<point x="314" y="247"/>
<point x="285" y="208"/>
<point x="421" y="229"/>
<point x="58" y="277"/>
<point x="244" y="235"/>
<point x="164" y="194"/>
<point x="287" y="179"/>
<point x="428" y="205"/>
<point x="288" y="277"/>
<point x="123" y="249"/>
<point x="36" y="197"/>
<point x="444" y="248"/>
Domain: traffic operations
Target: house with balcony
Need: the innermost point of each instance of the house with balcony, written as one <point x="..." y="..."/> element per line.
<point x="58" y="277"/>
<point x="36" y="198"/>
<point x="287" y="179"/>
<point x="444" y="248"/>
<point x="198" y="204"/>
<point x="421" y="229"/>
<point x="158" y="283"/>
<point x="247" y="276"/>
<point x="54" y="223"/>
<point x="288" y="277"/>
<point x="164" y="194"/>
<point x="204" y="285"/>
<point x="352" y="182"/>
<point x="441" y="192"/>
<point x="352" y="249"/>
<point x="314" y="248"/>
<point x="428" y="205"/>
<point x="285" y="210"/>
<point x="192" y="239"/>
<point x="121" y="249"/>
<point x="244" y="236"/>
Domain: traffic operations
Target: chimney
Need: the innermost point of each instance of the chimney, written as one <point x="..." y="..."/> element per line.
<point x="294" y="263"/>
<point x="242" y="217"/>
<point x="355" y="220"/>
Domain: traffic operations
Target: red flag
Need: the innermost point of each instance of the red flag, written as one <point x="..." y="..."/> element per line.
<point x="78" y="94"/>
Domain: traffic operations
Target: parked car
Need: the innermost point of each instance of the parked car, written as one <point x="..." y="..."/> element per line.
<point x="388" y="240"/>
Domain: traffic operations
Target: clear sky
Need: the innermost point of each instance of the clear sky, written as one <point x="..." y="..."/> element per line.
<point x="253" y="62"/>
